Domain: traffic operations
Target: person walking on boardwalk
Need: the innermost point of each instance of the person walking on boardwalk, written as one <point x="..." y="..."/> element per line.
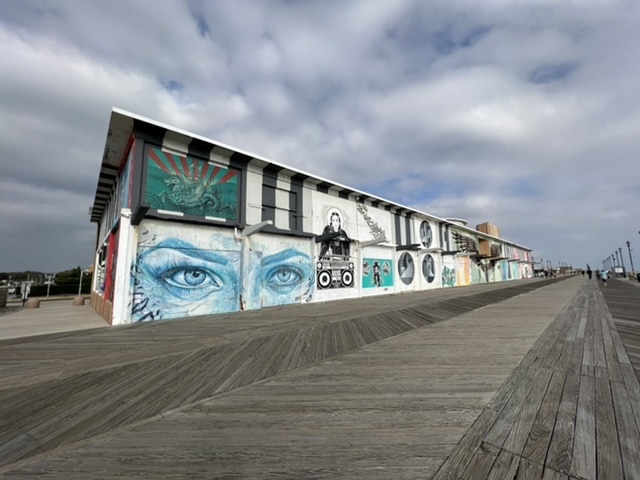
<point x="603" y="277"/>
<point x="589" y="272"/>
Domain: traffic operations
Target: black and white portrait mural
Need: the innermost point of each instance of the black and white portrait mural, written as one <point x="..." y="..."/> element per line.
<point x="406" y="268"/>
<point x="335" y="267"/>
<point x="426" y="234"/>
<point x="428" y="268"/>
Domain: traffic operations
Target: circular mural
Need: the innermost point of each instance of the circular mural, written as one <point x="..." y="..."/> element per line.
<point x="428" y="268"/>
<point x="406" y="268"/>
<point x="426" y="235"/>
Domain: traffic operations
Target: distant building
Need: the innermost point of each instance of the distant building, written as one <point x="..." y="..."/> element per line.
<point x="188" y="226"/>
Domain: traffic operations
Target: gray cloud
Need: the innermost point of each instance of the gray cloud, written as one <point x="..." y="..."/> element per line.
<point x="521" y="113"/>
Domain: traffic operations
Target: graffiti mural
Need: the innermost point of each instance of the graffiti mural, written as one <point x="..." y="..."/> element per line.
<point x="174" y="278"/>
<point x="189" y="186"/>
<point x="334" y="267"/>
<point x="202" y="273"/>
<point x="376" y="231"/>
<point x="279" y="276"/>
<point x="448" y="271"/>
<point x="463" y="271"/>
<point x="377" y="272"/>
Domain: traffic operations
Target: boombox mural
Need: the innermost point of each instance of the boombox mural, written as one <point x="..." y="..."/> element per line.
<point x="334" y="267"/>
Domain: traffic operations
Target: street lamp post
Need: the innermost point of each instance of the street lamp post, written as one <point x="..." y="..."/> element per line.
<point x="621" y="259"/>
<point x="630" y="257"/>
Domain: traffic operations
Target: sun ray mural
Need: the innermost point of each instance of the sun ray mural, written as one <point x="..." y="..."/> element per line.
<point x="183" y="184"/>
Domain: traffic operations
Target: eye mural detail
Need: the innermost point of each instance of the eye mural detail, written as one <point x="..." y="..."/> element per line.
<point x="287" y="277"/>
<point x="175" y="278"/>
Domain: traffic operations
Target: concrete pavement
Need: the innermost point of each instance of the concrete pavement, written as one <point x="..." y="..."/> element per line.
<point x="53" y="316"/>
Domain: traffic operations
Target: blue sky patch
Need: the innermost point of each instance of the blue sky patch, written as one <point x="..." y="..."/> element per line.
<point x="172" y="85"/>
<point x="552" y="73"/>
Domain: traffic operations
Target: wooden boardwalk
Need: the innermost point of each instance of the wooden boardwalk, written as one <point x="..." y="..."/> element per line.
<point x="530" y="379"/>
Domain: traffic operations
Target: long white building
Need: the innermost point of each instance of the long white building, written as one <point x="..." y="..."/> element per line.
<point x="189" y="226"/>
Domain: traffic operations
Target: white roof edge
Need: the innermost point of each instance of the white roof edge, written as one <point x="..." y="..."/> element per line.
<point x="135" y="116"/>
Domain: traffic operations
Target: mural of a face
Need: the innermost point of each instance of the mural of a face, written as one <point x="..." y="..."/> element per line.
<point x="426" y="235"/>
<point x="281" y="278"/>
<point x="175" y="278"/>
<point x="406" y="268"/>
<point x="334" y="267"/>
<point x="336" y="222"/>
<point x="428" y="268"/>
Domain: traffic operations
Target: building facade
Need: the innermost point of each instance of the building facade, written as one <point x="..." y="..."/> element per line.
<point x="187" y="226"/>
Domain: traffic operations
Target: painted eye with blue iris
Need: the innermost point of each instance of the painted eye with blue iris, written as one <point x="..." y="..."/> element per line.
<point x="287" y="276"/>
<point x="177" y="279"/>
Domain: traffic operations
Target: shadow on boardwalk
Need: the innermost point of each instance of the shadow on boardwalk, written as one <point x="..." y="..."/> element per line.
<point x="522" y="380"/>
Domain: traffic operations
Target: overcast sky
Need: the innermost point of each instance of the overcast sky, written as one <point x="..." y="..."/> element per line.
<point x="522" y="113"/>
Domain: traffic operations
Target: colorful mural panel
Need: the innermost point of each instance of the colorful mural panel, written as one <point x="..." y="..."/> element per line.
<point x="448" y="271"/>
<point x="279" y="274"/>
<point x="174" y="278"/>
<point x="377" y="273"/>
<point x="463" y="271"/>
<point x="190" y="186"/>
<point x="183" y="271"/>
<point x="504" y="268"/>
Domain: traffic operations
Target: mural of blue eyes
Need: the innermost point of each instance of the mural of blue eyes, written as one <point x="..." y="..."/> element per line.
<point x="186" y="273"/>
<point x="175" y="278"/>
<point x="191" y="278"/>
<point x="286" y="272"/>
<point x="283" y="278"/>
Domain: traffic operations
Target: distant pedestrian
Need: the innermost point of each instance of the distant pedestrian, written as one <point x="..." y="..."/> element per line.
<point x="603" y="277"/>
<point x="589" y="272"/>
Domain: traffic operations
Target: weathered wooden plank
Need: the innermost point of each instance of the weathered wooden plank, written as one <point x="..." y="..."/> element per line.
<point x="633" y="389"/>
<point x="608" y="452"/>
<point x="481" y="462"/>
<point x="599" y="359"/>
<point x="583" y="459"/>
<point x="588" y="363"/>
<point x="618" y="345"/>
<point x="550" y="474"/>
<point x="529" y="470"/>
<point x="457" y="462"/>
<point x="540" y="435"/>
<point x="628" y="434"/>
<point x="561" y="446"/>
<point x="505" y="466"/>
<point x="522" y="426"/>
